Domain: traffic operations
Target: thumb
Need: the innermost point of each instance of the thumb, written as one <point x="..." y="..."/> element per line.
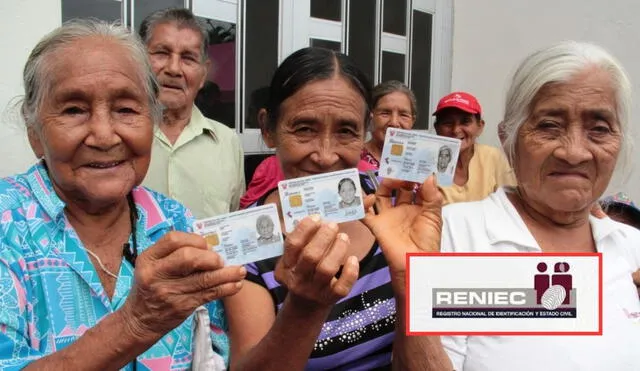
<point x="596" y="210"/>
<point x="430" y="196"/>
<point x="429" y="223"/>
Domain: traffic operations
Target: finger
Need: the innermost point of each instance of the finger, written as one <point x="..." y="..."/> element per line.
<point x="430" y="196"/>
<point x="298" y="239"/>
<point x="173" y="241"/>
<point x="204" y="281"/>
<point x="384" y="193"/>
<point x="342" y="286"/>
<point x="219" y="292"/>
<point x="369" y="204"/>
<point x="311" y="255"/>
<point x="596" y="210"/>
<point x="636" y="277"/>
<point x="405" y="194"/>
<point x="333" y="259"/>
<point x="187" y="260"/>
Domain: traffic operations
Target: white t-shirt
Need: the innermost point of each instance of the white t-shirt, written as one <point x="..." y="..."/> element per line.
<point x="494" y="225"/>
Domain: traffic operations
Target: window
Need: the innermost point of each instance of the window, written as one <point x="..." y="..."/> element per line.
<point x="403" y="40"/>
<point x="362" y="35"/>
<point x="327" y="9"/>
<point x="142" y="8"/>
<point x="217" y="98"/>
<point x="260" y="56"/>
<point x="108" y="10"/>
<point x="421" y="39"/>
<point x="328" y="44"/>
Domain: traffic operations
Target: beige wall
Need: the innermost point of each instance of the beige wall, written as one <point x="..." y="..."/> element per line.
<point x="24" y="22"/>
<point x="491" y="37"/>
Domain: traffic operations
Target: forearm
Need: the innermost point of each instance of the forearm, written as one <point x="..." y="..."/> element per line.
<point x="423" y="353"/>
<point x="109" y="345"/>
<point x="289" y="342"/>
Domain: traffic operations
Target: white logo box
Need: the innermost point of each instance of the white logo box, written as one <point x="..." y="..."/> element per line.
<point x="504" y="294"/>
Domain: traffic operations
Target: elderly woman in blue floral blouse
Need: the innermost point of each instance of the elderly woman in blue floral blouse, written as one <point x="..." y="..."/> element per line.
<point x="74" y="225"/>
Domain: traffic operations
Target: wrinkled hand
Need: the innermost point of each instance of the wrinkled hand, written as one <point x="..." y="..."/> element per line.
<point x="406" y="227"/>
<point x="313" y="254"/>
<point x="174" y="277"/>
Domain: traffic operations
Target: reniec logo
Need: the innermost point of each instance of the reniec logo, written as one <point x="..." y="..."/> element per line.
<point x="552" y="296"/>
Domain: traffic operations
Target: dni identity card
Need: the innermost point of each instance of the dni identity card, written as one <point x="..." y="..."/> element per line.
<point x="414" y="155"/>
<point x="244" y="236"/>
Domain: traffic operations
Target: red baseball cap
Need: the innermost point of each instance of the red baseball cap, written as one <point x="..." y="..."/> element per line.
<point x="460" y="100"/>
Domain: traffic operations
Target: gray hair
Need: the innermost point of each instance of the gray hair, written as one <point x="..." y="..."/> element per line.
<point x="557" y="64"/>
<point x="392" y="86"/>
<point x="182" y="18"/>
<point x="35" y="74"/>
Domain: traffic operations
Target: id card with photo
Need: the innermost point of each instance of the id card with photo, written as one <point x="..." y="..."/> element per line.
<point x="414" y="155"/>
<point x="244" y="236"/>
<point x="335" y="197"/>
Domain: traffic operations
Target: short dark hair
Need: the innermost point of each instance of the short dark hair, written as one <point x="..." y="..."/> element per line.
<point x="308" y="65"/>
<point x="182" y="18"/>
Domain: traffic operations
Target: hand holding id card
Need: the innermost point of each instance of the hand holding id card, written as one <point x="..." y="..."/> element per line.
<point x="244" y="236"/>
<point x="335" y="197"/>
<point x="414" y="155"/>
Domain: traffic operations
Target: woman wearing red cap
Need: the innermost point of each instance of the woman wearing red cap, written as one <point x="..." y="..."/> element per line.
<point x="481" y="169"/>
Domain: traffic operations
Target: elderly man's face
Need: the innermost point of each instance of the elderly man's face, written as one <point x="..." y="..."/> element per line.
<point x="567" y="150"/>
<point x="177" y="61"/>
<point x="94" y="128"/>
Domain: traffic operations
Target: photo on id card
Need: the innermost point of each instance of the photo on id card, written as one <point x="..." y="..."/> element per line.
<point x="244" y="236"/>
<point x="335" y="197"/>
<point x="414" y="155"/>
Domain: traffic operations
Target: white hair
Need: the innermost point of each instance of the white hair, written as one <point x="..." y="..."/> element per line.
<point x="37" y="79"/>
<point x="557" y="64"/>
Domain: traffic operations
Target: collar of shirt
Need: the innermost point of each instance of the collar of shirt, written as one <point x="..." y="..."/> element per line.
<point x="506" y="224"/>
<point x="151" y="218"/>
<point x="198" y="125"/>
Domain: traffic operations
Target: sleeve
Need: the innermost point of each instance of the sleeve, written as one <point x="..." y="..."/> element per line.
<point x="16" y="347"/>
<point x="253" y="274"/>
<point x="241" y="186"/>
<point x="456" y="348"/>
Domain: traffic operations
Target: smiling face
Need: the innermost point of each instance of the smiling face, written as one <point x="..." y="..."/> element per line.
<point x="320" y="129"/>
<point x="177" y="60"/>
<point x="456" y="123"/>
<point x="566" y="151"/>
<point x="94" y="126"/>
<point x="392" y="110"/>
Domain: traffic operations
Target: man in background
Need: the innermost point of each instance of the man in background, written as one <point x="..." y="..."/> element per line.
<point x="195" y="160"/>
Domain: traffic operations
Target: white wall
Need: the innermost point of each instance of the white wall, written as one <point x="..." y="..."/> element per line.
<point x="24" y="22"/>
<point x="491" y="37"/>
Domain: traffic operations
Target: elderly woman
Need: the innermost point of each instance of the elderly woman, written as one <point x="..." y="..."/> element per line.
<point x="565" y="130"/>
<point x="336" y="297"/>
<point x="480" y="169"/>
<point x="76" y="224"/>
<point x="394" y="106"/>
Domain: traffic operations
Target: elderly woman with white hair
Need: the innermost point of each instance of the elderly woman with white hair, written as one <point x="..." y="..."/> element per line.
<point x="76" y="224"/>
<point x="565" y="130"/>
